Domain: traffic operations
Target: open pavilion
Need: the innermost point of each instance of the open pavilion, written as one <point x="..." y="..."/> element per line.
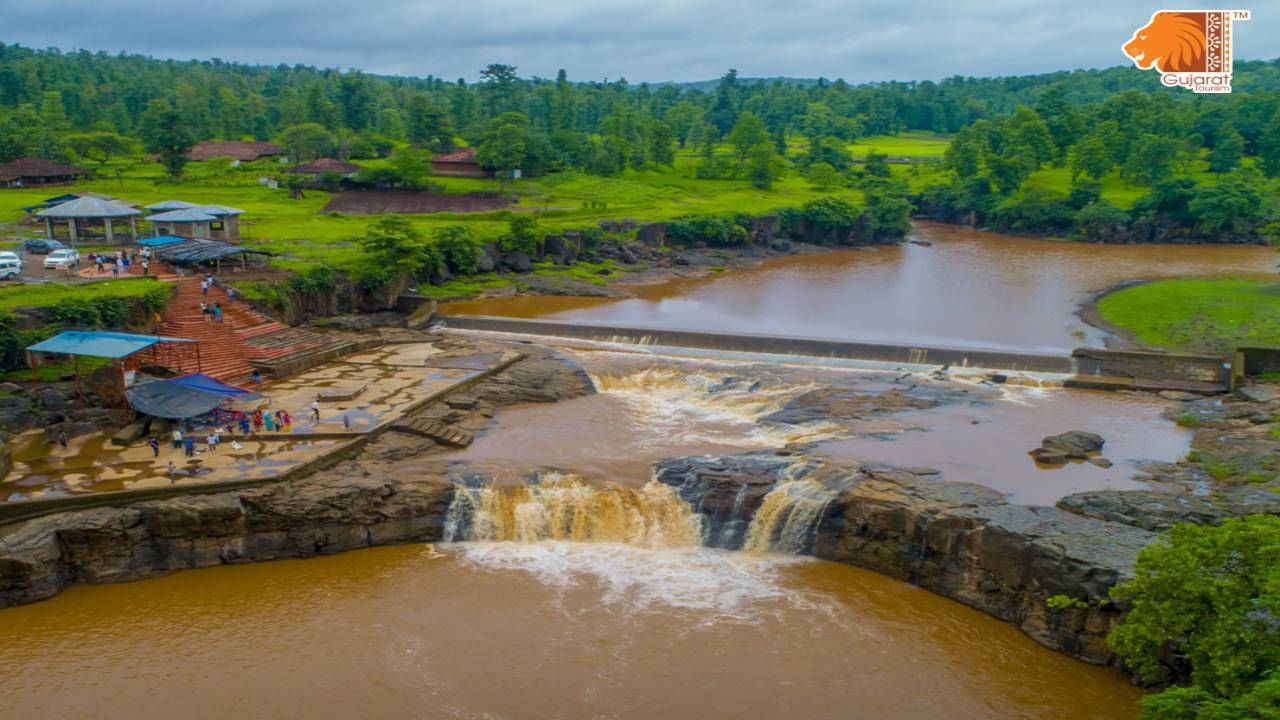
<point x="122" y="349"/>
<point x="89" y="210"/>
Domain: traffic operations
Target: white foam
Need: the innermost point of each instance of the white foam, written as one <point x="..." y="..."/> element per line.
<point x="716" y="585"/>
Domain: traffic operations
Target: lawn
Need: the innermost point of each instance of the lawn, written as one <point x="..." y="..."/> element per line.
<point x="50" y="294"/>
<point x="915" y="144"/>
<point x="301" y="235"/>
<point x="1198" y="315"/>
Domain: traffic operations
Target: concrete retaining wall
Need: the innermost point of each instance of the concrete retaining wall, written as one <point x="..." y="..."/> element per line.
<point x="774" y="345"/>
<point x="1258" y="360"/>
<point x="1154" y="366"/>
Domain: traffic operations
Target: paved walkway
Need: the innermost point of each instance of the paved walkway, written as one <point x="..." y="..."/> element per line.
<point x="381" y="386"/>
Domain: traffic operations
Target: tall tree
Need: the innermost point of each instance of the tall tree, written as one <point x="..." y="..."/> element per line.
<point x="1228" y="149"/>
<point x="165" y="132"/>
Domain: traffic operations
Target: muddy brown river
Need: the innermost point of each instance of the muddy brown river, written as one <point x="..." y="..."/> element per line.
<point x="527" y="617"/>
<point x="969" y="289"/>
<point x="545" y="630"/>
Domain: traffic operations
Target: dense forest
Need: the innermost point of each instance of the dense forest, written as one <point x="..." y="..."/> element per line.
<point x="1103" y="126"/>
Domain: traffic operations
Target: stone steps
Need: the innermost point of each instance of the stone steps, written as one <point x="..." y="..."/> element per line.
<point x="433" y="430"/>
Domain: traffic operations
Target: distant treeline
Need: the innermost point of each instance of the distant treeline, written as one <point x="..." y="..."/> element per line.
<point x="1103" y="125"/>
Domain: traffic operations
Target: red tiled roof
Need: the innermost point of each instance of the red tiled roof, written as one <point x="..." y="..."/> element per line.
<point x="325" y="165"/>
<point x="461" y="155"/>
<point x="242" y="150"/>
<point x="38" y="167"/>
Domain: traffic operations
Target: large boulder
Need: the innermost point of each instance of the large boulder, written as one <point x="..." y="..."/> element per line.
<point x="1068" y="446"/>
<point x="727" y="491"/>
<point x="517" y="262"/>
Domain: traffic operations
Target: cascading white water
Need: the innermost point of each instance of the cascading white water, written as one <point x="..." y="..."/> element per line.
<point x="788" y="517"/>
<point x="690" y="404"/>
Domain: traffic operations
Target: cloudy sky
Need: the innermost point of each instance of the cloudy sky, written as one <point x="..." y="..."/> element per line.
<point x="642" y="40"/>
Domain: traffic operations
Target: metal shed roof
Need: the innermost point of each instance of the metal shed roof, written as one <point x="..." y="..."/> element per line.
<point x="219" y="210"/>
<point x="199" y="250"/>
<point x="184" y="215"/>
<point x="99" y="344"/>
<point x="88" y="207"/>
<point x="170" y="205"/>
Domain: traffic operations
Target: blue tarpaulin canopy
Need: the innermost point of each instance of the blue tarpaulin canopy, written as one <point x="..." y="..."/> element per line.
<point x="161" y="241"/>
<point x="99" y="343"/>
<point x="184" y="397"/>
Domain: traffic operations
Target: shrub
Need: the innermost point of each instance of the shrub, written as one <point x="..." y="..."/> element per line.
<point x="1206" y="614"/>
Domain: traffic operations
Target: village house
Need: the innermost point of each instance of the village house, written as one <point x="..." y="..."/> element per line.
<point x="29" y="171"/>
<point x="459" y="163"/>
<point x="325" y="166"/>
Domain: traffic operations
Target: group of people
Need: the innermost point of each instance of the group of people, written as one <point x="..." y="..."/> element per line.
<point x="211" y="311"/>
<point x="120" y="261"/>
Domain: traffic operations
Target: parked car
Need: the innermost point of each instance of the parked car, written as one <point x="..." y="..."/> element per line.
<point x="62" y="259"/>
<point x="6" y="255"/>
<point x="41" y="246"/>
<point x="10" y="269"/>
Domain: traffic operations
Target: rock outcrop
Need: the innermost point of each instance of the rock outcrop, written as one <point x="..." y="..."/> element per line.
<point x="328" y="513"/>
<point x="959" y="540"/>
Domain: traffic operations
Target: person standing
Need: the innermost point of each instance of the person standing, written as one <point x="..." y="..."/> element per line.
<point x="204" y="311"/>
<point x="315" y="410"/>
<point x="211" y="441"/>
<point x="217" y="311"/>
<point x="155" y="446"/>
<point x="146" y="267"/>
<point x="270" y="420"/>
<point x="189" y="444"/>
<point x="177" y="438"/>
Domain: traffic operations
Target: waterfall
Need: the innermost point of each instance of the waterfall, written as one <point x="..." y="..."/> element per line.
<point x="564" y="507"/>
<point x="788" y="518"/>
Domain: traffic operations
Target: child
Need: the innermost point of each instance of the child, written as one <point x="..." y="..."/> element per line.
<point x="270" y="420"/>
<point x="155" y="447"/>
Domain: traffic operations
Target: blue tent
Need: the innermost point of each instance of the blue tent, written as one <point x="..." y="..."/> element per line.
<point x="184" y="397"/>
<point x="161" y="241"/>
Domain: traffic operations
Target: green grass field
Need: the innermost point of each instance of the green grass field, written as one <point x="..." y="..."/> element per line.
<point x="302" y="235"/>
<point x="1198" y="315"/>
<point x="915" y="144"/>
<point x="49" y="294"/>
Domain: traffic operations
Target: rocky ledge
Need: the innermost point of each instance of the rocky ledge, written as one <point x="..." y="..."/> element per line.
<point x="962" y="541"/>
<point x="325" y="514"/>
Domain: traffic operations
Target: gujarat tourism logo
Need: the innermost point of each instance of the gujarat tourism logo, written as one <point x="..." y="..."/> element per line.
<point x="1191" y="48"/>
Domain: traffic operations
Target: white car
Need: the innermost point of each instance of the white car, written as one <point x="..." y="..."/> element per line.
<point x="61" y="259"/>
<point x="5" y="256"/>
<point x="10" y="269"/>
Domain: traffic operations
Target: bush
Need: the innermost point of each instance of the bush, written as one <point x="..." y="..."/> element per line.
<point x="709" y="229"/>
<point x="523" y="235"/>
<point x="831" y="218"/>
<point x="1206" y="614"/>
<point x="459" y="248"/>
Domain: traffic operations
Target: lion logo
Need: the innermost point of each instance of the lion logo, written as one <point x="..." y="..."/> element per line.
<point x="1172" y="42"/>
<point x="1191" y="48"/>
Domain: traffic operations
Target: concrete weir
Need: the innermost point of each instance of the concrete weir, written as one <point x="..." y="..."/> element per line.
<point x="1086" y="367"/>
<point x="775" y="344"/>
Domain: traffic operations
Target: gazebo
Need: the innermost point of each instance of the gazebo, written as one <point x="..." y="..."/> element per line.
<point x="90" y="209"/>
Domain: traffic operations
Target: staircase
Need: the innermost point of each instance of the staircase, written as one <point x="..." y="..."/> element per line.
<point x="229" y="349"/>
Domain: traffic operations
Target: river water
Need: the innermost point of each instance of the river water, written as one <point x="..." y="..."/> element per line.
<point x="540" y="630"/>
<point x="591" y="598"/>
<point x="968" y="289"/>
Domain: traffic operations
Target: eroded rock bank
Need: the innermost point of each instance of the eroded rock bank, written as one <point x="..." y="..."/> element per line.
<point x="959" y="540"/>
